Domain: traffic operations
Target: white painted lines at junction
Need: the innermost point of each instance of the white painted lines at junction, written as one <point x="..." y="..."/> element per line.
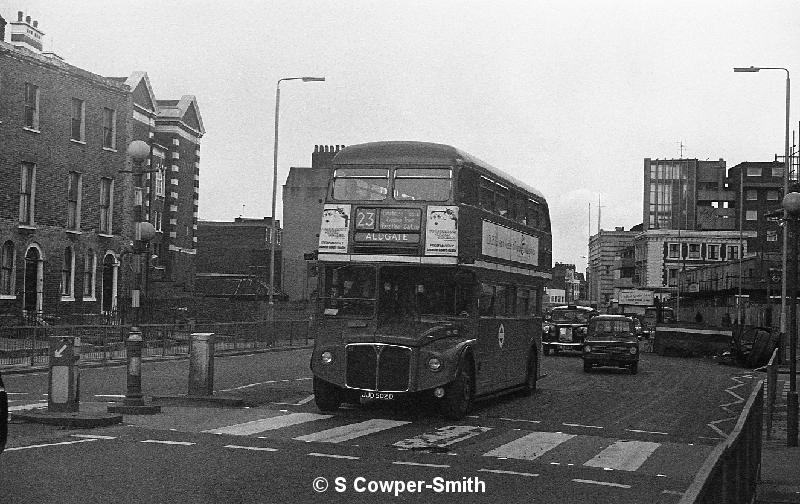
<point x="249" y="385"/>
<point x="111" y="396"/>
<point x="441" y="437"/>
<point x="161" y="441"/>
<point x="331" y="455"/>
<point x="420" y="464"/>
<point x="603" y="483"/>
<point x="61" y="443"/>
<point x="531" y="446"/>
<point x="519" y="420"/>
<point x="647" y="432"/>
<point x="351" y="431"/>
<point x="581" y="425"/>
<point x="624" y="455"/>
<point x="252" y="448"/>
<point x="265" y="424"/>
<point x="93" y="436"/>
<point x="513" y="473"/>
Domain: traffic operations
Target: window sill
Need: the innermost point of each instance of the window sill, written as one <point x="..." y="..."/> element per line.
<point x="7" y="297"/>
<point x="92" y="298"/>
<point x="68" y="298"/>
<point x="74" y="231"/>
<point x="109" y="149"/>
<point x="105" y="235"/>
<point x="29" y="227"/>
<point x="31" y="130"/>
<point x="80" y="142"/>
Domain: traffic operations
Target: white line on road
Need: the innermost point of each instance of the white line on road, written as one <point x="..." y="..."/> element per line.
<point x="352" y="431"/>
<point x="531" y="446"/>
<point x="93" y="436"/>
<point x="248" y="386"/>
<point x="519" y="420"/>
<point x="330" y="455"/>
<point x="402" y="462"/>
<point x="624" y="455"/>
<point x="581" y="425"/>
<point x="50" y="444"/>
<point x="647" y="432"/>
<point x="158" y="441"/>
<point x="253" y="448"/>
<point x="115" y="396"/>
<point x="298" y="403"/>
<point x="604" y="483"/>
<point x="514" y="473"/>
<point x="265" y="424"/>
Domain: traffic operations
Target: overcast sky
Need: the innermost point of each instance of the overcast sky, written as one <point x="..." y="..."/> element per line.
<point x="569" y="97"/>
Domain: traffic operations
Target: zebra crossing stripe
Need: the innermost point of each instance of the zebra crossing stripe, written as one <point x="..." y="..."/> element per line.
<point x="531" y="446"/>
<point x="351" y="431"/>
<point x="624" y="455"/>
<point x="443" y="436"/>
<point x="265" y="424"/>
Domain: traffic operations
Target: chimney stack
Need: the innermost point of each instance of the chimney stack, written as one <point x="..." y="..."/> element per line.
<point x="2" y="29"/>
<point x="26" y="35"/>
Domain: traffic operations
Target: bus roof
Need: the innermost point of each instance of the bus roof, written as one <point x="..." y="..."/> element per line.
<point x="420" y="153"/>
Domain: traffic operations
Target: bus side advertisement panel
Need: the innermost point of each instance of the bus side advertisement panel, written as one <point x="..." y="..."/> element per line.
<point x="441" y="231"/>
<point x="505" y="243"/>
<point x="333" y="233"/>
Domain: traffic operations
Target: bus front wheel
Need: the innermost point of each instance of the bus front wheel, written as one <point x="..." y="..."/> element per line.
<point x="327" y="396"/>
<point x="459" y="393"/>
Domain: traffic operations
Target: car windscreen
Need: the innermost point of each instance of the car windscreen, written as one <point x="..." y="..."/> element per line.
<point x="570" y="316"/>
<point x="611" y="328"/>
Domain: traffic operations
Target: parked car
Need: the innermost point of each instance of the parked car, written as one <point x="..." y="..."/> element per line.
<point x="611" y="341"/>
<point x="650" y="319"/>
<point x="566" y="328"/>
<point x="3" y="415"/>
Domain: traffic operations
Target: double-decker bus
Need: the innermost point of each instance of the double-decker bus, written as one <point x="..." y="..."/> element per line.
<point x="432" y="266"/>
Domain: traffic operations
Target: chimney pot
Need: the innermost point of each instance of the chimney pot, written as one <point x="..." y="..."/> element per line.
<point x="19" y="16"/>
<point x="35" y="24"/>
<point x="28" y="19"/>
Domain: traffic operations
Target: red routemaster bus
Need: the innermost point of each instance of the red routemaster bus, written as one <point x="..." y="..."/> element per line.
<point x="432" y="266"/>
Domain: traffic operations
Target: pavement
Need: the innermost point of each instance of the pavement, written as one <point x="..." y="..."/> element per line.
<point x="780" y="464"/>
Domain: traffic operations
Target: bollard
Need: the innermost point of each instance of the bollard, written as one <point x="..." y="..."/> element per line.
<point x="201" y="364"/>
<point x="134" y="404"/>
<point x="63" y="377"/>
<point x="133" y="347"/>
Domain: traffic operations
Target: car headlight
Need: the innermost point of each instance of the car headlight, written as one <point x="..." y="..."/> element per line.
<point x="587" y="348"/>
<point x="434" y="364"/>
<point x="326" y="357"/>
<point x="633" y="350"/>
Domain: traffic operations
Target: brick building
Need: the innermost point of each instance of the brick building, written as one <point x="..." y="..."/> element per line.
<point x="63" y="226"/>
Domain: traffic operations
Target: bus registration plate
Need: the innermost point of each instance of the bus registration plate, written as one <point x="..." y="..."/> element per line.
<point x="380" y="396"/>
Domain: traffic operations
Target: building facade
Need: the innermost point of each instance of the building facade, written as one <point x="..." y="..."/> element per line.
<point x="63" y="201"/>
<point x="303" y="200"/>
<point x="759" y="187"/>
<point x="604" y="248"/>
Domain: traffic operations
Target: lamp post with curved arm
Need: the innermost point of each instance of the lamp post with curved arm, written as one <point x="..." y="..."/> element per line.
<point x="274" y="230"/>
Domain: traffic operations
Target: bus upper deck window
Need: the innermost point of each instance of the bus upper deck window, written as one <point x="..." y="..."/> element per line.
<point x="360" y="184"/>
<point x="422" y="184"/>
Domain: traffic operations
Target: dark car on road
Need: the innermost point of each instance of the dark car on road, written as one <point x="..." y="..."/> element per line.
<point x="566" y="327"/>
<point x="3" y="415"/>
<point x="611" y="341"/>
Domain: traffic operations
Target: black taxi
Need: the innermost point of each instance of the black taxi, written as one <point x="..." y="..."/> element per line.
<point x="611" y="341"/>
<point x="566" y="328"/>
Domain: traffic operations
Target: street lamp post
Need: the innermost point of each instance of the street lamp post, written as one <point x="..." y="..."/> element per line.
<point x="139" y="151"/>
<point x="791" y="205"/>
<point x="787" y="166"/>
<point x="274" y="230"/>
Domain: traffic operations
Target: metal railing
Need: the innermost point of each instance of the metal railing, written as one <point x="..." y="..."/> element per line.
<point x="28" y="345"/>
<point x="730" y="473"/>
<point x="772" y="385"/>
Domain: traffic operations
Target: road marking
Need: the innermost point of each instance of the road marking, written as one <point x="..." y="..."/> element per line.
<point x="248" y="386"/>
<point x="402" y="462"/>
<point x="604" y="483"/>
<point x="351" y="431"/>
<point x="331" y="455"/>
<point x="23" y="407"/>
<point x="519" y="420"/>
<point x="265" y="424"/>
<point x="624" y="455"/>
<point x="514" y="473"/>
<point x="93" y="436"/>
<point x="531" y="446"/>
<point x="581" y="425"/>
<point x="62" y="443"/>
<point x="298" y="403"/>
<point x="647" y="432"/>
<point x="443" y="436"/>
<point x="159" y="441"/>
<point x="253" y="448"/>
<point x="115" y="396"/>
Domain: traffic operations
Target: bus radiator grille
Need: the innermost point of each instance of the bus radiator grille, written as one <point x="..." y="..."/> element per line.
<point x="378" y="367"/>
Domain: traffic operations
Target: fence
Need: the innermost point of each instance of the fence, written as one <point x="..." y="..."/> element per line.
<point x="28" y="345"/>
<point x="730" y="473"/>
<point x="772" y="384"/>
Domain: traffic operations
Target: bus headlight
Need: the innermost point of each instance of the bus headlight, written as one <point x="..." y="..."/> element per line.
<point x="434" y="364"/>
<point x="633" y="350"/>
<point x="326" y="357"/>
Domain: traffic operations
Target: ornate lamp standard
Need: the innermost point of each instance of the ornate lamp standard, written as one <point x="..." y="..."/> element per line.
<point x="274" y="231"/>
<point x="791" y="205"/>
